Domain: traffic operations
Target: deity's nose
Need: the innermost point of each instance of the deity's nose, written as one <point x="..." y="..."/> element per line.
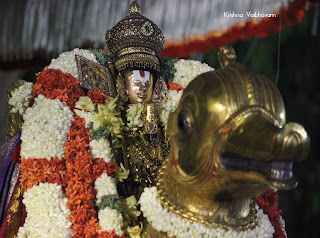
<point x="143" y="88"/>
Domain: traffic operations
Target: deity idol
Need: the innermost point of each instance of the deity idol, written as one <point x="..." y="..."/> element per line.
<point x="96" y="133"/>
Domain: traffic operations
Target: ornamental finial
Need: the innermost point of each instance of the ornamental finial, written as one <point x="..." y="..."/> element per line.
<point x="134" y="8"/>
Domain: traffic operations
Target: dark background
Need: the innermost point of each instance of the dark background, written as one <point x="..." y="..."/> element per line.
<point x="298" y="82"/>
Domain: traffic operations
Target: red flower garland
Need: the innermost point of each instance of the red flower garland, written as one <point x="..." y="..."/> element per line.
<point x="269" y="203"/>
<point x="54" y="84"/>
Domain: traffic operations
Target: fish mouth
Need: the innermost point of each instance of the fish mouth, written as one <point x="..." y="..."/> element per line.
<point x="276" y="173"/>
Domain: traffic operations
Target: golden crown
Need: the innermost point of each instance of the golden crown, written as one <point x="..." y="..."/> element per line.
<point x="135" y="41"/>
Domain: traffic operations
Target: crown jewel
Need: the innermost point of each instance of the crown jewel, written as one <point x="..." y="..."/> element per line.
<point x="135" y="41"/>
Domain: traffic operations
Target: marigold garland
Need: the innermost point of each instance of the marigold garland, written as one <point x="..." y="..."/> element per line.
<point x="80" y="178"/>
<point x="54" y="84"/>
<point x="269" y="203"/>
<point x="175" y="86"/>
<point x="100" y="167"/>
<point x="112" y="234"/>
<point x="35" y="171"/>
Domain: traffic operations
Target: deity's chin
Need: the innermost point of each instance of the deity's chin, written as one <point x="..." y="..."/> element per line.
<point x="139" y="99"/>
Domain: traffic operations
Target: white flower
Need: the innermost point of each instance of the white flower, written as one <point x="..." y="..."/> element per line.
<point x="45" y="129"/>
<point x="21" y="97"/>
<point x="66" y="61"/>
<point x="134" y="116"/>
<point x="174" y="225"/>
<point x="48" y="214"/>
<point x="105" y="185"/>
<point x="170" y="105"/>
<point x="187" y="70"/>
<point x="109" y="220"/>
<point x="101" y="149"/>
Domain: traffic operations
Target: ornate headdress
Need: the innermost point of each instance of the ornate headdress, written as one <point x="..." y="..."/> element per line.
<point x="135" y="42"/>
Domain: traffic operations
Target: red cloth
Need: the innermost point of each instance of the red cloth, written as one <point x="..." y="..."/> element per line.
<point x="15" y="214"/>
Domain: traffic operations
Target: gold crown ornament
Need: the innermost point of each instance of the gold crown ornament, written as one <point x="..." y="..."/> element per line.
<point x="135" y="42"/>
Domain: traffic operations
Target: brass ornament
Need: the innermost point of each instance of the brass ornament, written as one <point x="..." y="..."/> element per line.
<point x="226" y="55"/>
<point x="229" y="143"/>
<point x="121" y="88"/>
<point x="150" y="119"/>
<point x="94" y="76"/>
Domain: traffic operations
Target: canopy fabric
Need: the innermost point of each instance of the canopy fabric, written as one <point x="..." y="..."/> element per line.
<point x="189" y="26"/>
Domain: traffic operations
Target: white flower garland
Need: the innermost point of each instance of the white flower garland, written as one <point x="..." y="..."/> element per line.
<point x="174" y="225"/>
<point x="170" y="105"/>
<point x="109" y="219"/>
<point x="21" y="97"/>
<point x="101" y="149"/>
<point x="187" y="70"/>
<point x="45" y="130"/>
<point x="66" y="61"/>
<point x="134" y="116"/>
<point x="48" y="214"/>
<point x="105" y="185"/>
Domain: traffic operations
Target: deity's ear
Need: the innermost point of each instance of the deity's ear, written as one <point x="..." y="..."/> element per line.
<point x="121" y="88"/>
<point x="159" y="92"/>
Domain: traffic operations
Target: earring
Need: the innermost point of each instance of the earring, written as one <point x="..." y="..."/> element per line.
<point x="121" y="88"/>
<point x="150" y="119"/>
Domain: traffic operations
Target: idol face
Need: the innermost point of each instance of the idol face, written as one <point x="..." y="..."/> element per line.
<point x="139" y="85"/>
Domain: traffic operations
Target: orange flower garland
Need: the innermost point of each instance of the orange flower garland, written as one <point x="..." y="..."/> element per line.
<point x="100" y="167"/>
<point x="175" y="86"/>
<point x="97" y="97"/>
<point x="80" y="179"/>
<point x="35" y="171"/>
<point x="54" y="84"/>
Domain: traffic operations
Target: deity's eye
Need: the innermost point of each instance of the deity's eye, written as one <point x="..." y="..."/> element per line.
<point x="183" y="124"/>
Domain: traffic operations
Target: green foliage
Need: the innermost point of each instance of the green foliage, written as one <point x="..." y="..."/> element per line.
<point x="101" y="132"/>
<point x="112" y="202"/>
<point x="101" y="55"/>
<point x="167" y="68"/>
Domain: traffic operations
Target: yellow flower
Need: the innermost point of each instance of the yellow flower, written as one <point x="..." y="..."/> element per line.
<point x="134" y="232"/>
<point x="122" y="173"/>
<point x="85" y="103"/>
<point x="130" y="207"/>
<point x="109" y="117"/>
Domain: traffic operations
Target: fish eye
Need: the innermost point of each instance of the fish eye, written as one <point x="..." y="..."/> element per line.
<point x="183" y="124"/>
